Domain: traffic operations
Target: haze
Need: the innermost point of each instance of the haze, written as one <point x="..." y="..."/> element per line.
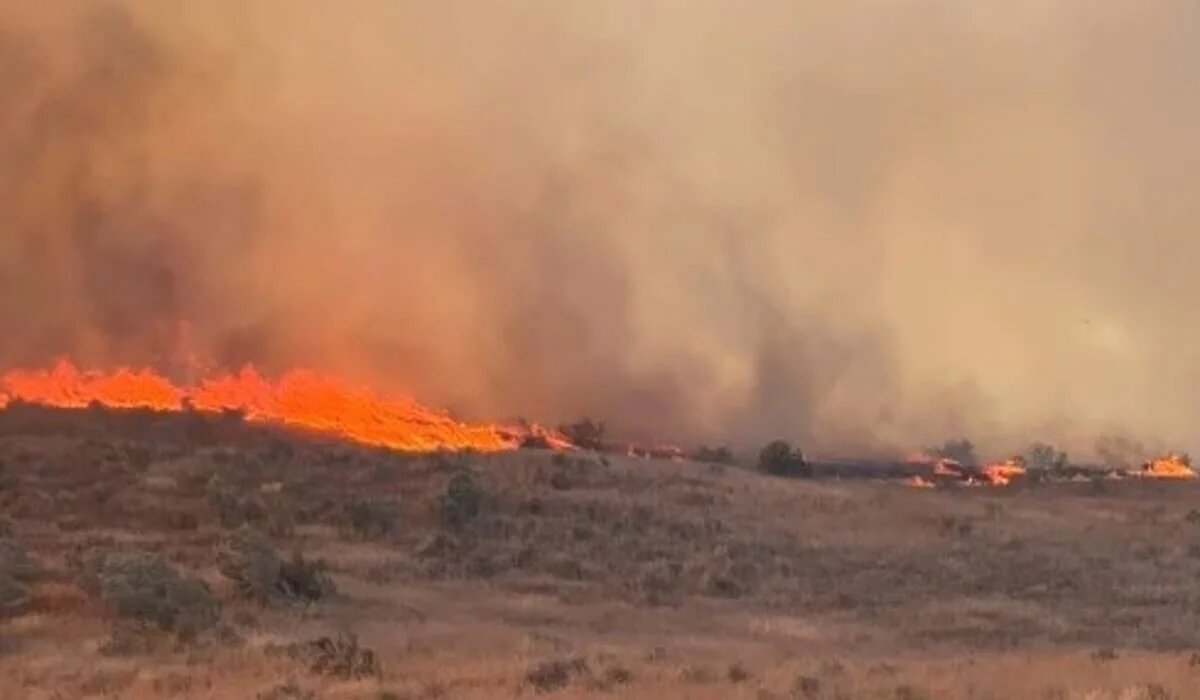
<point x="867" y="228"/>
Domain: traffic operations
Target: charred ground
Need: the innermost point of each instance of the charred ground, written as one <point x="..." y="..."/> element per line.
<point x="196" y="556"/>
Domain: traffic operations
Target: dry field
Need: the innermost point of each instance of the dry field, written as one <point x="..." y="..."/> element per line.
<point x="183" y="557"/>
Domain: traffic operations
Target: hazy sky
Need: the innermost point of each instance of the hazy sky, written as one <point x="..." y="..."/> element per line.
<point x="866" y="227"/>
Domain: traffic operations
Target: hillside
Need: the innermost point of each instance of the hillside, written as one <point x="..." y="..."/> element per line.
<point x="161" y="565"/>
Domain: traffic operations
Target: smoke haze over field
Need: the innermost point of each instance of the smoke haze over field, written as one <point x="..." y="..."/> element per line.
<point x="866" y="228"/>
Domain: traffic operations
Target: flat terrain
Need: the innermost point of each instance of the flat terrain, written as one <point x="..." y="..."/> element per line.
<point x="188" y="557"/>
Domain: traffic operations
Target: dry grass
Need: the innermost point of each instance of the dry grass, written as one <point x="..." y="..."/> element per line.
<point x="353" y="573"/>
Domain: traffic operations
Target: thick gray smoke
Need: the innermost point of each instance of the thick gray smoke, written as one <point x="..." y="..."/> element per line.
<point x="866" y="227"/>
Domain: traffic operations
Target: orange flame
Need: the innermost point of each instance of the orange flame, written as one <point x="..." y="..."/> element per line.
<point x="920" y="482"/>
<point x="950" y="468"/>
<point x="1003" y="473"/>
<point x="300" y="398"/>
<point x="1170" y="466"/>
<point x="998" y="474"/>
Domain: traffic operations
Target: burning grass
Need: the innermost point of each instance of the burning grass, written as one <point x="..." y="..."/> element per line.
<point x="300" y="398"/>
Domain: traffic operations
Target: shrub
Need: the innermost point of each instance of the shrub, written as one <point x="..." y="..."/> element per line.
<point x="288" y="691"/>
<point x="555" y="674"/>
<point x="463" y="500"/>
<point x="14" y="596"/>
<point x="17" y="570"/>
<point x="586" y="433"/>
<point x="259" y="573"/>
<point x="1045" y="458"/>
<point x="374" y="517"/>
<point x="961" y="451"/>
<point x="737" y="673"/>
<point x="779" y="458"/>
<point x="15" y="561"/>
<point x="144" y="588"/>
<point x="341" y="657"/>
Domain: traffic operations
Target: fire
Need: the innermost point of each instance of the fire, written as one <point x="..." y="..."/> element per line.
<point x="998" y="474"/>
<point x="300" y="398"/>
<point x="1170" y="466"/>
<point x="1003" y="473"/>
<point x="949" y="468"/>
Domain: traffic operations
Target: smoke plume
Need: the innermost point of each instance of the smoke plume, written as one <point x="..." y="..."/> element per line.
<point x="865" y="228"/>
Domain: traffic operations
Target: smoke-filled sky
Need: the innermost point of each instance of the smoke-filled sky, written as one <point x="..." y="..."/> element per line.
<point x="867" y="226"/>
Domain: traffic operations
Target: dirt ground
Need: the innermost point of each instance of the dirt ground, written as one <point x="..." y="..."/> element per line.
<point x="189" y="557"/>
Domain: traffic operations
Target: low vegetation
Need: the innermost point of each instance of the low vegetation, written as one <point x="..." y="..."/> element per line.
<point x="260" y="574"/>
<point x="143" y="588"/>
<point x="293" y="568"/>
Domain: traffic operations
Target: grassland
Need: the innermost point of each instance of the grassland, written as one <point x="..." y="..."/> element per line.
<point x="188" y="557"/>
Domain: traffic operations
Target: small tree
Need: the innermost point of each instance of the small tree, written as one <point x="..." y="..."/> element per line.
<point x="585" y="433"/>
<point x="1046" y="458"/>
<point x="779" y="458"/>
<point x="961" y="451"/>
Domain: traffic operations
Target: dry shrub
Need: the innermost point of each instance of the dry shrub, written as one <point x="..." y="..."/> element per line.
<point x="266" y="509"/>
<point x="463" y="500"/>
<point x="143" y="588"/>
<point x="288" y="691"/>
<point x="339" y="657"/>
<point x="612" y="677"/>
<point x="259" y="573"/>
<point x="737" y="673"/>
<point x="17" y="572"/>
<point x="15" y="562"/>
<point x="373" y="517"/>
<point x="555" y="674"/>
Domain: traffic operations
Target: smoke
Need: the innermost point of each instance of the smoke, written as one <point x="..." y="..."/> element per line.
<point x="866" y="228"/>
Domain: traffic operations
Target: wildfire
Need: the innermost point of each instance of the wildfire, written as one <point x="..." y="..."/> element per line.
<point x="1170" y="466"/>
<point x="998" y="474"/>
<point x="1003" y="473"/>
<point x="300" y="398"/>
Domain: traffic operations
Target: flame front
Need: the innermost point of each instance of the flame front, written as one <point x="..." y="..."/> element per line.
<point x="1170" y="466"/>
<point x="300" y="399"/>
<point x="1003" y="473"/>
<point x="998" y="474"/>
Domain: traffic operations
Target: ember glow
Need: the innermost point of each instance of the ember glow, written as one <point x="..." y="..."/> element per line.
<point x="300" y="399"/>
